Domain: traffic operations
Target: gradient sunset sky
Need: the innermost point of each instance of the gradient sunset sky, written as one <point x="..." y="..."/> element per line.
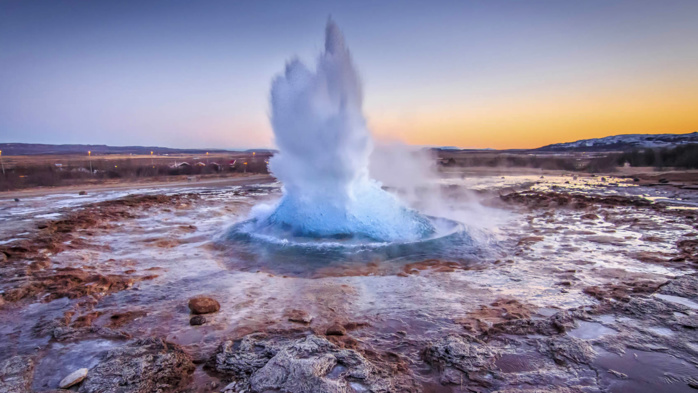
<point x="483" y="74"/>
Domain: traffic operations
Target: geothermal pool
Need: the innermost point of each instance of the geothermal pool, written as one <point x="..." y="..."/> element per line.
<point x="570" y="287"/>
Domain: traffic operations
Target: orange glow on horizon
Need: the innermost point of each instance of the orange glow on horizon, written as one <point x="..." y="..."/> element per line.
<point x="534" y="121"/>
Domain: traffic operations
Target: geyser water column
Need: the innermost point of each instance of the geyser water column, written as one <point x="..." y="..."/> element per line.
<point x="324" y="147"/>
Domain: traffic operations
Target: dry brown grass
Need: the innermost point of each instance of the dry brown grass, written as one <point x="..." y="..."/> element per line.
<point x="23" y="172"/>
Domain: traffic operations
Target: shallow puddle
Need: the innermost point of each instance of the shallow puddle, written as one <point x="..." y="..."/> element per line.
<point x="590" y="330"/>
<point x="62" y="359"/>
<point x="679" y="300"/>
<point x="661" y="331"/>
<point x="645" y="372"/>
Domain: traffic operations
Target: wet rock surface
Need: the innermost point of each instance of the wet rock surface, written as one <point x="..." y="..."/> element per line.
<point x="16" y="374"/>
<point x="242" y="358"/>
<point x="684" y="286"/>
<point x="148" y="365"/>
<point x="462" y="359"/>
<point x="583" y="292"/>
<point x="307" y="364"/>
<point x="29" y="267"/>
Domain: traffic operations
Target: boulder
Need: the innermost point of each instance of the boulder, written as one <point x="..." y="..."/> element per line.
<point x="241" y="358"/>
<point x="143" y="366"/>
<point x="314" y="364"/>
<point x="260" y="363"/>
<point x="203" y="305"/>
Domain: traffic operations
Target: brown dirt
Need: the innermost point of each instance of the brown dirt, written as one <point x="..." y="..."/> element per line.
<point x="71" y="283"/>
<point x="120" y="319"/>
<point x="298" y="316"/>
<point x="86" y="320"/>
<point x="622" y="291"/>
<point x="28" y="265"/>
<point x="550" y="200"/>
<point x="377" y="269"/>
<point x="501" y="310"/>
<point x="651" y="176"/>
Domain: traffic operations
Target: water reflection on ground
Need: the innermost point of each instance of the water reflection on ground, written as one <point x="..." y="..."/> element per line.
<point x="526" y="263"/>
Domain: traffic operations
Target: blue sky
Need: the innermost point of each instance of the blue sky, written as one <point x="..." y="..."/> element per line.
<point x="467" y="73"/>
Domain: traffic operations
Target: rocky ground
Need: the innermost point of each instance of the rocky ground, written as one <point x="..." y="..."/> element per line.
<point x="585" y="285"/>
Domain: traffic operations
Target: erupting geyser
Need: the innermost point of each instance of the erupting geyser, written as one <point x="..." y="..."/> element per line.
<point x="324" y="147"/>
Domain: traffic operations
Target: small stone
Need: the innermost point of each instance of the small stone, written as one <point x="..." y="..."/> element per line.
<point x="197" y="320"/>
<point x="203" y="305"/>
<point x="16" y="199"/>
<point x="336" y="330"/>
<point x="229" y="387"/>
<point x="73" y="378"/>
<point x="618" y="374"/>
<point x="82" y="193"/>
<point x="299" y="316"/>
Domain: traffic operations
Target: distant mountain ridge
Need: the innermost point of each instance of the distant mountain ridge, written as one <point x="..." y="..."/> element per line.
<point x="607" y="144"/>
<point x="19" y="149"/>
<point x="623" y="143"/>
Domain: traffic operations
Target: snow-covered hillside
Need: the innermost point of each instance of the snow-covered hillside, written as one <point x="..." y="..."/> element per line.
<point x="625" y="142"/>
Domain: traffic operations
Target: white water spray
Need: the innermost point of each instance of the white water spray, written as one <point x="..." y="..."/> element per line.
<point x="324" y="148"/>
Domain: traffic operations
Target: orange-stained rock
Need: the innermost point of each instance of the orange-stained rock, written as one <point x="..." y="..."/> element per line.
<point x="203" y="305"/>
